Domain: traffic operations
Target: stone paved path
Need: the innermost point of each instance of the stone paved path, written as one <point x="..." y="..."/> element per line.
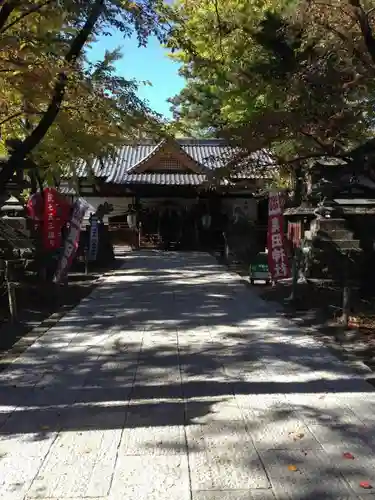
<point x="174" y="381"/>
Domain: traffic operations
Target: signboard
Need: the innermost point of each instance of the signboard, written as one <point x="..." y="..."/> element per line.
<point x="94" y="238"/>
<point x="276" y="241"/>
<point x="72" y="239"/>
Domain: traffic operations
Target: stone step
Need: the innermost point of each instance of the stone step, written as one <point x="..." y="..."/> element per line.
<point x="330" y="224"/>
<point x="336" y="234"/>
<point x="326" y="245"/>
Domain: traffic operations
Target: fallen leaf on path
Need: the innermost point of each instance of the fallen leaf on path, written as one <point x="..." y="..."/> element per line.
<point x="292" y="468"/>
<point x="365" y="485"/>
<point x="44" y="427"/>
<point x="297" y="436"/>
<point x="348" y="455"/>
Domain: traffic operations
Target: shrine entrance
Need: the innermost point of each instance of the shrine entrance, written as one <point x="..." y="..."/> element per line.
<point x="169" y="224"/>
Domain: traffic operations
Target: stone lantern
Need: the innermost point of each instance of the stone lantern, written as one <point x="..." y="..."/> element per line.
<point x="13" y="213"/>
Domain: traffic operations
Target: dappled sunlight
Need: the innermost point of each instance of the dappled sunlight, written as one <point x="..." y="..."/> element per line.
<point x="266" y="323"/>
<point x="170" y="354"/>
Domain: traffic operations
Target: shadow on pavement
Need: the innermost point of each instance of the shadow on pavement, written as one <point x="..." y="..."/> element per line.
<point x="164" y="344"/>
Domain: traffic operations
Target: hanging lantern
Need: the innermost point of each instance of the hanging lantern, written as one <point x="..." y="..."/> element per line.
<point x="206" y="221"/>
<point x="132" y="220"/>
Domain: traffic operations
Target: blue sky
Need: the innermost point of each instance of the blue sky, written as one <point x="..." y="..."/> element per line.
<point x="150" y="63"/>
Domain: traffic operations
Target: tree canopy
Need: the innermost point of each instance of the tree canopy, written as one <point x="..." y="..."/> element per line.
<point x="296" y="77"/>
<point x="58" y="105"/>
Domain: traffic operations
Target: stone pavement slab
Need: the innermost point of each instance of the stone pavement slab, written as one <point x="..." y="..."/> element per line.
<point x="152" y="477"/>
<point x="173" y="380"/>
<point x="78" y="464"/>
<point x="234" y="495"/>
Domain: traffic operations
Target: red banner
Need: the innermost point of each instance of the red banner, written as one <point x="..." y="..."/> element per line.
<point x="56" y="214"/>
<point x="295" y="233"/>
<point x="276" y="241"/>
<point x="51" y="233"/>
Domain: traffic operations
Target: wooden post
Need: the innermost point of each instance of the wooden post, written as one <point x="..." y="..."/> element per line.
<point x="346" y="305"/>
<point x="294" y="277"/>
<point x="43" y="273"/>
<point x="11" y="293"/>
<point x="293" y="296"/>
<point x="86" y="257"/>
<point x="346" y="294"/>
<point x="226" y="247"/>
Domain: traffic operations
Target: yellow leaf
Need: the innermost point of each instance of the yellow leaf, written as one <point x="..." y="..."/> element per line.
<point x="292" y="468"/>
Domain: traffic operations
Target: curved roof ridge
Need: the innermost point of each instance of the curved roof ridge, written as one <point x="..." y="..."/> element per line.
<point x="147" y="157"/>
<point x="199" y="141"/>
<point x="185" y="152"/>
<point x="158" y="147"/>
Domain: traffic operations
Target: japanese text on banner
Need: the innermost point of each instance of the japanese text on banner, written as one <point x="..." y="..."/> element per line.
<point x="277" y="258"/>
<point x="94" y="239"/>
<point x="52" y="238"/>
<point x="274" y="204"/>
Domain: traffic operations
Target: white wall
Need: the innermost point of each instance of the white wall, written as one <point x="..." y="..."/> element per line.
<point x="120" y="204"/>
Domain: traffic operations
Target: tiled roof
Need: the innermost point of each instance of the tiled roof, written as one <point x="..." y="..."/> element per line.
<point x="353" y="210"/>
<point x="208" y="153"/>
<point x="164" y="179"/>
<point x="299" y="211"/>
<point x="67" y="190"/>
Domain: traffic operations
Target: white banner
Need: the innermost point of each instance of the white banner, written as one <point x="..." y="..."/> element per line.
<point x="71" y="244"/>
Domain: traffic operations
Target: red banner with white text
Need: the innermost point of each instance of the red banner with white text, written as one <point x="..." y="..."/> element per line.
<point x="276" y="241"/>
<point x="56" y="214"/>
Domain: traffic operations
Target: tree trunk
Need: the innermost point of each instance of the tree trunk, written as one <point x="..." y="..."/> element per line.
<point x="298" y="185"/>
<point x="365" y="26"/>
<point x="5" y="13"/>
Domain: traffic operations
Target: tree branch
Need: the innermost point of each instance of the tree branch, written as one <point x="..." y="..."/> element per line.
<point x="11" y="117"/>
<point x="18" y="114"/>
<point x="18" y="157"/>
<point x="36" y="8"/>
<point x="365" y="26"/>
<point x="346" y="41"/>
<point x="328" y="148"/>
<point x="6" y="11"/>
